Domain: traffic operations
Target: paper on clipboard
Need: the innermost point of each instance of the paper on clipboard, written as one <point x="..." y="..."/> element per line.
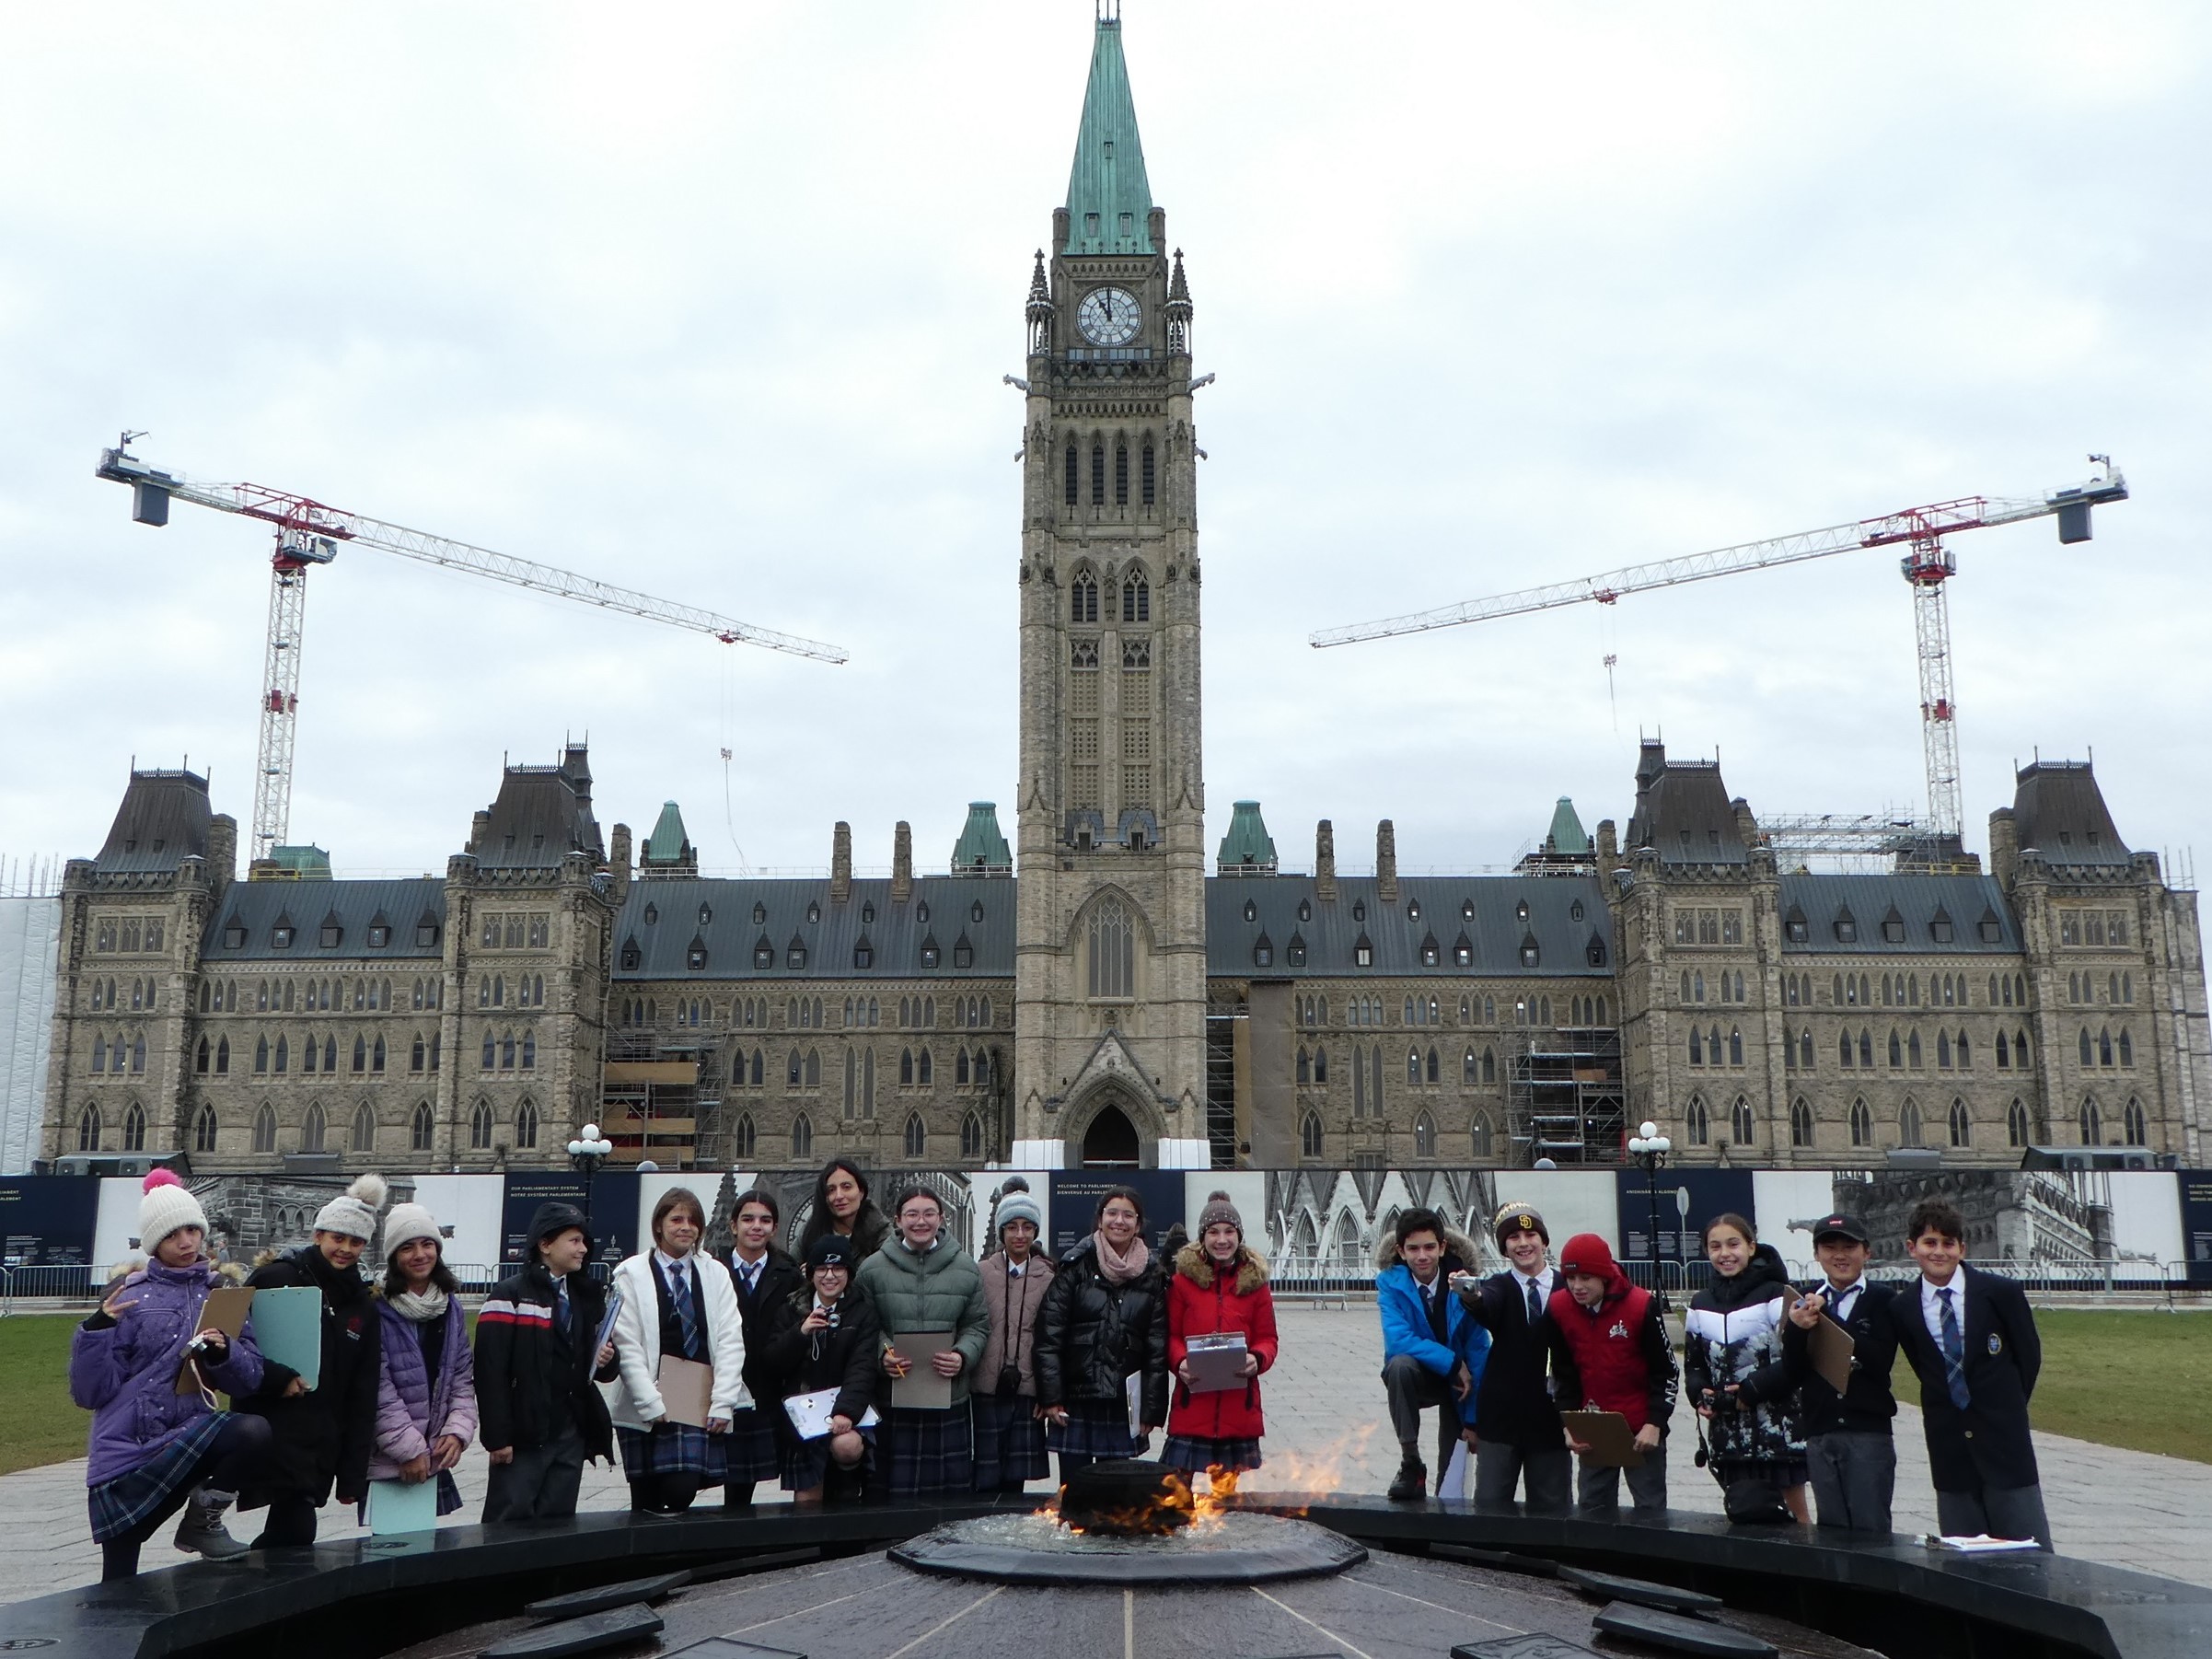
<point x="687" y="1391"/>
<point x="922" y="1385"/>
<point x="395" y="1507"/>
<point x="1832" y="1350"/>
<point x="1216" y="1362"/>
<point x="287" y="1329"/>
<point x="1607" y="1434"/>
<point x="225" y="1310"/>
<point x="810" y="1413"/>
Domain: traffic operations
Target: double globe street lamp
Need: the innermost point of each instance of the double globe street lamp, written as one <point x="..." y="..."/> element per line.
<point x="587" y="1152"/>
<point x="1650" y="1148"/>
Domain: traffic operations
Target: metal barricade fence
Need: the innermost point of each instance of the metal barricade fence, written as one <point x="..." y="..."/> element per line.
<point x="71" y="1284"/>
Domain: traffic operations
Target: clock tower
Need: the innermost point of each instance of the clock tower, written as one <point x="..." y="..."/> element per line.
<point x="1110" y="968"/>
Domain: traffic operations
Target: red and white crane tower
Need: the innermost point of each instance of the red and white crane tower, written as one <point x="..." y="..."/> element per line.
<point x="1928" y="566"/>
<point x="308" y="533"/>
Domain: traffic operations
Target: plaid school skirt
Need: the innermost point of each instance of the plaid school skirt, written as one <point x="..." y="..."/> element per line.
<point x="930" y="1451"/>
<point x="1010" y="1441"/>
<point x="674" y="1448"/>
<point x="751" y="1448"/>
<point x="137" y="1497"/>
<point x="806" y="1464"/>
<point x="1188" y="1452"/>
<point x="1095" y="1428"/>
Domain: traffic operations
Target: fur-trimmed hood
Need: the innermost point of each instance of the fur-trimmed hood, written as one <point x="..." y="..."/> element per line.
<point x="1251" y="1267"/>
<point x="1455" y="1244"/>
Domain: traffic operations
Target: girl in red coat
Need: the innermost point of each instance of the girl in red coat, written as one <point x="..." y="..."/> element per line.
<point x="1220" y="1285"/>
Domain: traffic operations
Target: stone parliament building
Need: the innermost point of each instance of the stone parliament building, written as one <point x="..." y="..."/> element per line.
<point x="1091" y="995"/>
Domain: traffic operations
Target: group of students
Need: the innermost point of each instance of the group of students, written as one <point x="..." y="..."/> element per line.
<point x="1501" y="1357"/>
<point x="1085" y="1357"/>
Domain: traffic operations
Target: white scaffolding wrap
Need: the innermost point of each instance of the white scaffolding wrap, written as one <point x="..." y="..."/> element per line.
<point x="31" y="936"/>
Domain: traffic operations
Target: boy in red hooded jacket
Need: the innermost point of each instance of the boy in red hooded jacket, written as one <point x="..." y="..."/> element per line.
<point x="1610" y="1352"/>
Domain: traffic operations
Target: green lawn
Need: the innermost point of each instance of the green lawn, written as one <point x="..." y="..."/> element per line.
<point x="44" y="1426"/>
<point x="2140" y="1380"/>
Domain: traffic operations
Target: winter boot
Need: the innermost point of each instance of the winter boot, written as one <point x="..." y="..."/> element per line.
<point x="1412" y="1484"/>
<point x="199" y="1529"/>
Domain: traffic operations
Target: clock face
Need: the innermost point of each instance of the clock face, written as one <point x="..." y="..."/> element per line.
<point x="1108" y="316"/>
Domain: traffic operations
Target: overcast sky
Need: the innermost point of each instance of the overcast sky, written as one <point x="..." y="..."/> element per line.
<point x="713" y="301"/>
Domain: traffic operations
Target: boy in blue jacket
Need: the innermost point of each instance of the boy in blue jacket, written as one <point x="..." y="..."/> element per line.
<point x="1432" y="1349"/>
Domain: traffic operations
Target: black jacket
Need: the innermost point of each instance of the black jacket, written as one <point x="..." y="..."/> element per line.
<point x="1988" y="1445"/>
<point x="531" y="1382"/>
<point x="1092" y="1335"/>
<point x="325" y="1434"/>
<point x="1514" y="1402"/>
<point x="1867" y="1406"/>
<point x="847" y="1358"/>
<point x="870" y="1231"/>
<point x="780" y="1280"/>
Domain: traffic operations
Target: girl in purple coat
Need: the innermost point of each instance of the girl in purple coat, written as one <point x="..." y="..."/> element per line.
<point x="155" y="1450"/>
<point x="426" y="1380"/>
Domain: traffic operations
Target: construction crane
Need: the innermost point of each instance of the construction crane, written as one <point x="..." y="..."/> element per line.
<point x="1926" y="567"/>
<point x="308" y="533"/>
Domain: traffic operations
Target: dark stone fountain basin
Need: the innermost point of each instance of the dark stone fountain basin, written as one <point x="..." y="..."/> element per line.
<point x="1235" y="1548"/>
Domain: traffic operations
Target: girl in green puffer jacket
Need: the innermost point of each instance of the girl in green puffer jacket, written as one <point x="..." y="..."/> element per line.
<point x="922" y="1280"/>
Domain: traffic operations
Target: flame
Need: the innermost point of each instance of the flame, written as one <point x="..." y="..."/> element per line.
<point x="1318" y="1473"/>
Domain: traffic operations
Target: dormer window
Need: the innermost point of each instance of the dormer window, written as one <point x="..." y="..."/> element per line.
<point x="974" y="910"/>
<point x="1263" y="952"/>
<point x="1574" y="911"/>
<point x="695" y="953"/>
<point x="1799" y="930"/>
<point x="1363" y="953"/>
<point x="814" y="913"/>
<point x="653" y="914"/>
<point x="280" y="936"/>
<point x="1596" y="952"/>
<point x="706" y="915"/>
<point x="1466" y="909"/>
<point x="764" y="955"/>
<point x="1430" y="953"/>
<point x="1295" y="951"/>
<point x="1529" y="952"/>
<point x="1846" y="927"/>
<point x="632" y="955"/>
<point x="1893" y="928"/>
<point x="796" y="956"/>
<point x="1992" y="929"/>
<point x="1940" y="928"/>
<point x="759" y="914"/>
<point x="332" y="931"/>
<point x="1413" y="910"/>
<point x="1521" y="910"/>
<point x="1360" y="910"/>
<point x="234" y="935"/>
<point x="1251" y="910"/>
<point x="864" y="955"/>
<point x="1462" y="952"/>
<point x="1305" y="911"/>
<point x="964" y="953"/>
<point x="922" y="913"/>
<point x="930" y="953"/>
<point x="867" y="915"/>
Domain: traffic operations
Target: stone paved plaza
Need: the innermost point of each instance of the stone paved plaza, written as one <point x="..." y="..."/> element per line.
<point x="1326" y="1429"/>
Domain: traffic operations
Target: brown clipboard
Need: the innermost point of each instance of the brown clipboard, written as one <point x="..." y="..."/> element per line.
<point x="921" y="1386"/>
<point x="225" y="1310"/>
<point x="1611" y="1441"/>
<point x="687" y="1391"/>
<point x="1832" y="1347"/>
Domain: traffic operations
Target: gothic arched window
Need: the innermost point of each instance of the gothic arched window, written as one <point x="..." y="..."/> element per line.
<point x="1801" y="1122"/>
<point x="419" y="1128"/>
<point x="971" y="1138"/>
<point x="1309" y="1136"/>
<point x="264" y="1128"/>
<point x="525" y="1125"/>
<point x="1697" y="1122"/>
<point x="1070" y="493"/>
<point x="1962" y="1124"/>
<point x="313" y="1129"/>
<point x="1112" y="953"/>
<point x="802" y="1137"/>
<point x="1136" y="599"/>
<point x="2016" y="1124"/>
<point x="1082" y="598"/>
<point x="204" y="1130"/>
<point x="1742" y="1122"/>
<point x="480" y="1127"/>
<point x="1098" y="472"/>
<point x="134" y="1128"/>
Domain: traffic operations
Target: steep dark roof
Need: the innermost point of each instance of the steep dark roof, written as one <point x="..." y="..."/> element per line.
<point x="256" y="907"/>
<point x="1920" y="903"/>
<point x="895" y="937"/>
<point x="162" y="822"/>
<point x="2059" y="810"/>
<point x="1683" y="812"/>
<point x="542" y="815"/>
<point x="1331" y="931"/>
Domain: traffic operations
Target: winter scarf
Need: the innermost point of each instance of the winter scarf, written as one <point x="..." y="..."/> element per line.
<point x="1117" y="1267"/>
<point x="418" y="1308"/>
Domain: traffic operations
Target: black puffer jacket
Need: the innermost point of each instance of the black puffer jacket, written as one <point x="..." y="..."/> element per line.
<point x="533" y="1384"/>
<point x="780" y="1280"/>
<point x="1092" y="1335"/>
<point x="847" y="1358"/>
<point x="324" y="1436"/>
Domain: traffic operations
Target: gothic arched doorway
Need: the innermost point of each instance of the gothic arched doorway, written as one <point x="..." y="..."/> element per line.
<point x="1110" y="1142"/>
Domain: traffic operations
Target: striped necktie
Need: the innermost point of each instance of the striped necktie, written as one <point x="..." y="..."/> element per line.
<point x="687" y="1316"/>
<point x="1954" y="1352"/>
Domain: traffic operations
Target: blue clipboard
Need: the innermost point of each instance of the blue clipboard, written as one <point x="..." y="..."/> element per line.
<point x="396" y="1507"/>
<point x="288" y="1327"/>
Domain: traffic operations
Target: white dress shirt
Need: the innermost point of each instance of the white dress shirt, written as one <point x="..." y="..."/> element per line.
<point x="1842" y="1301"/>
<point x="1931" y="1306"/>
<point x="1543" y="1282"/>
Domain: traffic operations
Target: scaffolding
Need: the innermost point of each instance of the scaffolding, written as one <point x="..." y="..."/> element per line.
<point x="660" y="1097"/>
<point x="1565" y="1100"/>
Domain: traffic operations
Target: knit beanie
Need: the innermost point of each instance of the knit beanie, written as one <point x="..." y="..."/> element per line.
<point x="1519" y="1218"/>
<point x="1218" y="1208"/>
<point x="1588" y="1253"/>
<point x="407" y="1222"/>
<point x="1017" y="1203"/>
<point x="353" y="1212"/>
<point x="167" y="1205"/>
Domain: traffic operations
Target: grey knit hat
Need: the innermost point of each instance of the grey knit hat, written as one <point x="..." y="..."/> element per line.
<point x="353" y="1212"/>
<point x="1218" y="1208"/>
<point x="407" y="1222"/>
<point x="1017" y="1203"/>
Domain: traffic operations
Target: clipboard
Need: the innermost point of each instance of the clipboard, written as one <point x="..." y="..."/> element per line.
<point x="287" y="1329"/>
<point x="1216" y="1362"/>
<point x="922" y="1387"/>
<point x="225" y="1310"/>
<point x="396" y="1507"/>
<point x="687" y="1391"/>
<point x="1611" y="1442"/>
<point x="810" y="1413"/>
<point x="1832" y="1347"/>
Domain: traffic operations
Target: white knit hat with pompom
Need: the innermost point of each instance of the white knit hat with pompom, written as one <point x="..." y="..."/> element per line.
<point x="353" y="1212"/>
<point x="168" y="1205"/>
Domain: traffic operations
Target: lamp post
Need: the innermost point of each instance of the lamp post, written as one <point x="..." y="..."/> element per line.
<point x="587" y="1152"/>
<point x="1650" y="1148"/>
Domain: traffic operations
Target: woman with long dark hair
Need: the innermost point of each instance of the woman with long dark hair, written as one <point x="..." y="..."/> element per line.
<point x="1104" y="1320"/>
<point x="426" y="1375"/>
<point x="841" y="1206"/>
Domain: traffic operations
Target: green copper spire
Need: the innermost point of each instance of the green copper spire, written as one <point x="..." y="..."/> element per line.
<point x="1109" y="201"/>
<point x="1247" y="849"/>
<point x="1565" y="836"/>
<point x="981" y="850"/>
<point x="667" y="844"/>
